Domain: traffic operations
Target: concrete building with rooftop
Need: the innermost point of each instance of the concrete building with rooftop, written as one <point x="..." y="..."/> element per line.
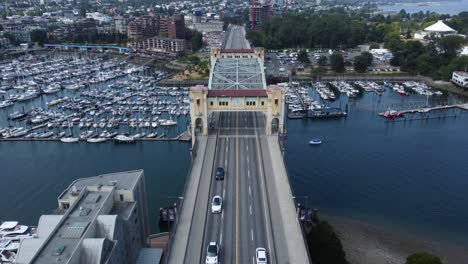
<point x="104" y="219"/>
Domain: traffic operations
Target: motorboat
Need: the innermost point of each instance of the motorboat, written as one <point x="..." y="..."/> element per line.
<point x="124" y="139"/>
<point x="13" y="231"/>
<point x="391" y="114"/>
<point x="7" y="256"/>
<point x="16" y="115"/>
<point x="8" y="244"/>
<point x="69" y="139"/>
<point x="96" y="140"/>
<point x="315" y="141"/>
<point x="152" y="135"/>
<point x="168" y="122"/>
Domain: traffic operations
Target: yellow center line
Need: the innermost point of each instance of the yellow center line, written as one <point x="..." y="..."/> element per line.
<point x="237" y="187"/>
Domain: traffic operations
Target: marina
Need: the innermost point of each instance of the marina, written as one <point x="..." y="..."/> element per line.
<point x="89" y="99"/>
<point x="11" y="235"/>
<point x="316" y="100"/>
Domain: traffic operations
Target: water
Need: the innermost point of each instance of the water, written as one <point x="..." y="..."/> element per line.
<point x="35" y="173"/>
<point x="411" y="176"/>
<point x="441" y="7"/>
<point x="408" y="176"/>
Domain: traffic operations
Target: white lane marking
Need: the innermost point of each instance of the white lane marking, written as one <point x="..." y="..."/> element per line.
<point x="251" y="234"/>
<point x="221" y="238"/>
<point x="250" y="209"/>
<point x="253" y="259"/>
<point x="262" y="186"/>
<point x="250" y="193"/>
<point x="247" y="148"/>
<point x="224" y="193"/>
<point x="248" y="173"/>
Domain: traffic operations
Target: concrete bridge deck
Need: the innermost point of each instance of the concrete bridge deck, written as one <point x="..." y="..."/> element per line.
<point x="258" y="208"/>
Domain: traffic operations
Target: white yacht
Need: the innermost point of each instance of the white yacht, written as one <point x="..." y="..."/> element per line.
<point x="69" y="139"/>
<point x="96" y="140"/>
<point x="124" y="139"/>
<point x="168" y="122"/>
<point x="13" y="231"/>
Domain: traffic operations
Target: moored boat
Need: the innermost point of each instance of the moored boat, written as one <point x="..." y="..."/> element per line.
<point x="391" y="114"/>
<point x="69" y="139"/>
<point x="315" y="141"/>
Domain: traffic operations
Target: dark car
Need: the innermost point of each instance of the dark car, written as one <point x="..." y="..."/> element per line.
<point x="219" y="175"/>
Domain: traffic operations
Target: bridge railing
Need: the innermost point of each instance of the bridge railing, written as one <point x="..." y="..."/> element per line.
<point x="281" y="141"/>
<point x="193" y="154"/>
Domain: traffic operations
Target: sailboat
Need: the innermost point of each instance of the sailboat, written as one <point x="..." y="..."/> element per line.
<point x="69" y="138"/>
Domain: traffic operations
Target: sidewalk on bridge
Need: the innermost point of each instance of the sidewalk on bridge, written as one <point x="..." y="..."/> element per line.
<point x="281" y="199"/>
<point x="181" y="239"/>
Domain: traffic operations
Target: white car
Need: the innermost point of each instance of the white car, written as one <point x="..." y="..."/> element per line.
<point x="217" y="204"/>
<point x="212" y="252"/>
<point x="261" y="256"/>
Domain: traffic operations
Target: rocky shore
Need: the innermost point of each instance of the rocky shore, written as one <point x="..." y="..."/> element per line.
<point x="370" y="244"/>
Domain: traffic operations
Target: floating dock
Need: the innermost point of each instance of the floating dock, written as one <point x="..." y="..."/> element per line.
<point x="429" y="109"/>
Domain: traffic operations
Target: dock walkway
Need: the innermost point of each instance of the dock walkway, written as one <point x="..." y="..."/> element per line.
<point x="429" y="109"/>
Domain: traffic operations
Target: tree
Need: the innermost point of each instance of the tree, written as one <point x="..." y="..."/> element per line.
<point x="337" y="62"/>
<point x="303" y="57"/>
<point x="39" y="36"/>
<point x="324" y="245"/>
<point x="360" y="63"/>
<point x="322" y="61"/>
<point x="423" y="258"/>
<point x="450" y="45"/>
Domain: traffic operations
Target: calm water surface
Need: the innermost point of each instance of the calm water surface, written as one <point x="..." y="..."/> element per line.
<point x="406" y="175"/>
<point x="411" y="175"/>
<point x="442" y="7"/>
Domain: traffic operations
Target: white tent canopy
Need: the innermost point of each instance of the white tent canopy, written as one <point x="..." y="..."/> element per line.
<point x="440" y="27"/>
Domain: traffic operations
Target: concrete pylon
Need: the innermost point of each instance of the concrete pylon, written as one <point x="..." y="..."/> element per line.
<point x="198" y="111"/>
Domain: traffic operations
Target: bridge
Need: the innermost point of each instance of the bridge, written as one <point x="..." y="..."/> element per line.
<point x="80" y="47"/>
<point x="236" y="123"/>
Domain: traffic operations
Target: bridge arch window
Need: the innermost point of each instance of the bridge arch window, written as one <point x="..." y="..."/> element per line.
<point x="211" y="103"/>
<point x="263" y="103"/>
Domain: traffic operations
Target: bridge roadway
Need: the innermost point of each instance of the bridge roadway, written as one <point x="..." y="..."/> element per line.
<point x="258" y="210"/>
<point x="236" y="38"/>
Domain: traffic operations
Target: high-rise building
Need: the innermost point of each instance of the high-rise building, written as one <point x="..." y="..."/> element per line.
<point x="143" y="27"/>
<point x="120" y="24"/>
<point x="103" y="219"/>
<point x="172" y="26"/>
<point x="261" y="13"/>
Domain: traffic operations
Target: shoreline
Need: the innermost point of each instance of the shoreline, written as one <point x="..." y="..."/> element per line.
<point x="366" y="243"/>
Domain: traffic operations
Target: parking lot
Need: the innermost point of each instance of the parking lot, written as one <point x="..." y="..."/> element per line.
<point x="279" y="62"/>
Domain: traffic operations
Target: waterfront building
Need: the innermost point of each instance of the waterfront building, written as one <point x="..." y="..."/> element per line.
<point x="159" y="45"/>
<point x="143" y="27"/>
<point x="102" y="219"/>
<point x="460" y="78"/>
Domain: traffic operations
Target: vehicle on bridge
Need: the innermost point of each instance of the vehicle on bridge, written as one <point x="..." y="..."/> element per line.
<point x="260" y="256"/>
<point x="212" y="253"/>
<point x="217" y="204"/>
<point x="219" y="175"/>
